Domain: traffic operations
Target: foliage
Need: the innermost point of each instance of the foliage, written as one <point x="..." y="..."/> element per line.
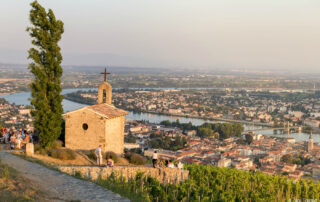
<point x="183" y="126"/>
<point x="77" y="175"/>
<point x="134" y="189"/>
<point x="3" y="101"/>
<point x="166" y="142"/>
<point x="92" y="154"/>
<point x="135" y="159"/>
<point x="225" y="130"/>
<point x="76" y="97"/>
<point x="5" y="172"/>
<point x="46" y="99"/>
<point x="210" y="183"/>
<point x="112" y="154"/>
<point x="249" y="138"/>
<point x="46" y="151"/>
<point x="130" y="138"/>
<point x="62" y="154"/>
<point x="40" y="150"/>
<point x="166" y="123"/>
<point x="57" y="144"/>
<point x="297" y="159"/>
<point x="205" y="132"/>
<point x="307" y="129"/>
<point x="286" y="158"/>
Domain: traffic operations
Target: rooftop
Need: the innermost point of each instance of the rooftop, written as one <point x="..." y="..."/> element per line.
<point x="105" y="110"/>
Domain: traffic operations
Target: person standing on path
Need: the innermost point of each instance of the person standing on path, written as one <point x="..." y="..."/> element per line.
<point x="99" y="155"/>
<point x="154" y="158"/>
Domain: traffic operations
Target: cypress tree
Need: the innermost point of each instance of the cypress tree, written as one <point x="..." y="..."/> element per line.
<point x="46" y="31"/>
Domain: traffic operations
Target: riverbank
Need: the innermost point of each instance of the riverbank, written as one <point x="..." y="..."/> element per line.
<point x="4" y="94"/>
<point x="182" y="115"/>
<point x="23" y="99"/>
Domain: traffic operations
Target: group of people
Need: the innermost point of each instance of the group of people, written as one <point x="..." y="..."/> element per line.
<point x="110" y="161"/>
<point x="157" y="163"/>
<point x="168" y="163"/>
<point x="16" y="139"/>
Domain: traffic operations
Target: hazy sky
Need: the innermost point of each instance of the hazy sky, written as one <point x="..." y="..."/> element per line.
<point x="175" y="33"/>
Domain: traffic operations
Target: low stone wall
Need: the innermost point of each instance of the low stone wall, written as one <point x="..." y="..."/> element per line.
<point x="164" y="175"/>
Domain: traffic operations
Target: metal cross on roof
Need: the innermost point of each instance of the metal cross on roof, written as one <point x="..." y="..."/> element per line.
<point x="105" y="73"/>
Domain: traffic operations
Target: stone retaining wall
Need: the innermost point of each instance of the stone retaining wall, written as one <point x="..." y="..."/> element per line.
<point x="164" y="175"/>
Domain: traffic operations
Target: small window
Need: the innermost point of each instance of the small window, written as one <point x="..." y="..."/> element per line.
<point x="85" y="126"/>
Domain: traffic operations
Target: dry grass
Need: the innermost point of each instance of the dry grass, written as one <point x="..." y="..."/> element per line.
<point x="122" y="162"/>
<point x="14" y="187"/>
<point x="79" y="160"/>
<point x="62" y="154"/>
<point x="135" y="159"/>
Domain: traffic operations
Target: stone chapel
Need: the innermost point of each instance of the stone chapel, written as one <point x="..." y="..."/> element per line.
<point x="100" y="124"/>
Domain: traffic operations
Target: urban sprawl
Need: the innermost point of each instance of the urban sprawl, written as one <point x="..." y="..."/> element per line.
<point x="212" y="143"/>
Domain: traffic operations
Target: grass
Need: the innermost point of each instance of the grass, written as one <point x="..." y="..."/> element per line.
<point x="92" y="155"/>
<point x="135" y="158"/>
<point x="62" y="154"/>
<point x="13" y="187"/>
<point x="56" y="151"/>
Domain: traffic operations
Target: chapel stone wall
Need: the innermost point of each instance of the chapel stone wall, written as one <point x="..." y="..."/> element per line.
<point x="164" y="175"/>
<point x="80" y="139"/>
<point x="114" y="130"/>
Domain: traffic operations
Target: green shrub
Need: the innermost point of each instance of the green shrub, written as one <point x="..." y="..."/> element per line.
<point x="6" y="172"/>
<point x="62" y="154"/>
<point x="36" y="147"/>
<point x="92" y="154"/>
<point x="114" y="156"/>
<point x="39" y="150"/>
<point x="78" y="174"/>
<point x="135" y="159"/>
<point x="57" y="144"/>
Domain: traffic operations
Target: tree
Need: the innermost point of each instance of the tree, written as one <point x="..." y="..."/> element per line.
<point x="165" y="123"/>
<point x="205" y="132"/>
<point x="156" y="143"/>
<point x="130" y="138"/>
<point x="237" y="129"/>
<point x="226" y="130"/>
<point x="46" y="99"/>
<point x="188" y="126"/>
<point x="287" y="158"/>
<point x="249" y="138"/>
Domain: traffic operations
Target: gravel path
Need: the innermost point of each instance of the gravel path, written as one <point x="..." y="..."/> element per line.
<point x="64" y="187"/>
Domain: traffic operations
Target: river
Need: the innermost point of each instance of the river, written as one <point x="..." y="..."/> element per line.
<point x="23" y="99"/>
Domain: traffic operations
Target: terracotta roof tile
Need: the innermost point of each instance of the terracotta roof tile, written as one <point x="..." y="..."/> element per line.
<point x="107" y="111"/>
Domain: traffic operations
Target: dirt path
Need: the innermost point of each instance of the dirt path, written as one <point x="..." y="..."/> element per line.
<point x="64" y="187"/>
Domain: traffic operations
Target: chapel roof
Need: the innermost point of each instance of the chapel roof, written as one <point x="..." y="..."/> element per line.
<point x="105" y="110"/>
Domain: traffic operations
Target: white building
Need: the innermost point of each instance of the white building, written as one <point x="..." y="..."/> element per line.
<point x="224" y="162"/>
